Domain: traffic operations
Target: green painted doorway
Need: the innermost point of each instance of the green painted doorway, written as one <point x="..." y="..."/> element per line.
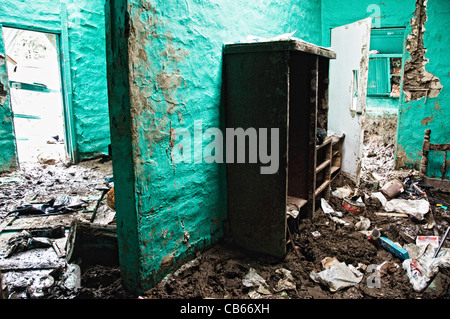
<point x="34" y="73"/>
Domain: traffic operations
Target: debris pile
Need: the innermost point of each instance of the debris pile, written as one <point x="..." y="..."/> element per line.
<point x="361" y="243"/>
<point x="47" y="215"/>
<point x="385" y="239"/>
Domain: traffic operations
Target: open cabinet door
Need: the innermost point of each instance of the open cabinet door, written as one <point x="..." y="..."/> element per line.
<point x="348" y="90"/>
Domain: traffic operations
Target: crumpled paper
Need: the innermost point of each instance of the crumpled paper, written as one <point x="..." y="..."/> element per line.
<point x="338" y="276"/>
<point x="253" y="279"/>
<point x="285" y="283"/>
<point x="416" y="208"/>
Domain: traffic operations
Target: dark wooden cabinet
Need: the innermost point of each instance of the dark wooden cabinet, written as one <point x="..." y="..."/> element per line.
<point x="278" y="85"/>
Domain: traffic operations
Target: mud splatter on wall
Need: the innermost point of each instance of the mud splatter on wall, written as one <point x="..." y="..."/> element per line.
<point x="174" y="77"/>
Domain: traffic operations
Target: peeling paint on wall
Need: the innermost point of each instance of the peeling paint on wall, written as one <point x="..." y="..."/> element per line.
<point x="174" y="79"/>
<point x="418" y="82"/>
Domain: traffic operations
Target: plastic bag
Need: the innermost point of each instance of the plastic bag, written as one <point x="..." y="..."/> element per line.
<point x="338" y="276"/>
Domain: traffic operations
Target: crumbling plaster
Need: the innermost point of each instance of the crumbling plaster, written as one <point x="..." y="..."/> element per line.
<point x="174" y="72"/>
<point x="425" y="68"/>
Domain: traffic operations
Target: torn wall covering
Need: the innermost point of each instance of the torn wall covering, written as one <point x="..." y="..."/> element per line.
<point x="426" y="68"/>
<point x="85" y="26"/>
<point x="426" y="63"/>
<point x="174" y="70"/>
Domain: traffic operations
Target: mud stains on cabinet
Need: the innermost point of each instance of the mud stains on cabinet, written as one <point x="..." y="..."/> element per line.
<point x="278" y="85"/>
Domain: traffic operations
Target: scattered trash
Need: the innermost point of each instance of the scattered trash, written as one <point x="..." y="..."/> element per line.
<point x="286" y="282"/>
<point x="338" y="276"/>
<point x="427" y="240"/>
<point x="253" y="279"/>
<point x="374" y="237"/>
<point x="442" y="242"/>
<point x="282" y="295"/>
<point x="380" y="197"/>
<point x="394" y="248"/>
<point x="414" y="208"/>
<point x="363" y="224"/>
<point x="23" y="242"/>
<point x="393" y="188"/>
<point x="327" y="262"/>
<point x="49" y="232"/>
<point x="342" y="192"/>
<point x="60" y="205"/>
<point x="72" y="277"/>
<point x="316" y="234"/>
<point x="328" y="210"/>
<point x="387" y="268"/>
<point x="414" y="190"/>
<point x="39" y="286"/>
<point x="69" y="202"/>
<point x="354" y="204"/>
<point x="424" y="267"/>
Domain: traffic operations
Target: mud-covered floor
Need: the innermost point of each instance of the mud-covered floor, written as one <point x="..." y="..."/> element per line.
<point x="223" y="270"/>
<point x="219" y="272"/>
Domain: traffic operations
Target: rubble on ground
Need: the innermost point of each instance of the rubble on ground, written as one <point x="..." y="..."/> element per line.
<point x="40" y="204"/>
<point x="363" y="242"/>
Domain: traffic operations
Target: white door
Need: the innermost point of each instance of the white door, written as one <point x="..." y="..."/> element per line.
<point x="348" y="90"/>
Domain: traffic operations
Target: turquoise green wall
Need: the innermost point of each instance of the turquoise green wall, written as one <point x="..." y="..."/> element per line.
<point x="382" y="106"/>
<point x="415" y="116"/>
<point x="8" y="157"/>
<point x="387" y="13"/>
<point x="82" y="27"/>
<point x="86" y="20"/>
<point x="174" y="65"/>
<point x="392" y="14"/>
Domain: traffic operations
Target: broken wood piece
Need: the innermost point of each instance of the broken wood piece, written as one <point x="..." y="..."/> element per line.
<point x="92" y="244"/>
<point x="392" y="214"/>
<point x="94" y="214"/>
<point x="8" y="220"/>
<point x="60" y="253"/>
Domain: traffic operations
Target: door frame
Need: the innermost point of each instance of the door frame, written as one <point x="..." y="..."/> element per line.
<point x="65" y="75"/>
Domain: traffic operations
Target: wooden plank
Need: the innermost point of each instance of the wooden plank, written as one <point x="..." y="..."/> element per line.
<point x="8" y="220"/>
<point x="272" y="46"/>
<point x="334" y="169"/>
<point x="392" y="214"/>
<point x="440" y="147"/>
<point x="299" y="202"/>
<point x="326" y="142"/>
<point x="322" y="166"/>
<point x="321" y="187"/>
<point x="312" y="156"/>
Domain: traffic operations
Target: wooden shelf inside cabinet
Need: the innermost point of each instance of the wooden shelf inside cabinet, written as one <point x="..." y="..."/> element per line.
<point x="323" y="163"/>
<point x="336" y="157"/>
